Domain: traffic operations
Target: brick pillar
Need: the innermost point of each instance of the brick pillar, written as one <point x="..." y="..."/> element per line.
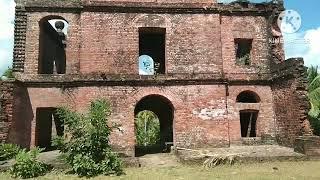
<point x="6" y="110"/>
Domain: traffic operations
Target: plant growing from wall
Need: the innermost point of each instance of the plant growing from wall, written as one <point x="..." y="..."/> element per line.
<point x="244" y="60"/>
<point x="147" y="128"/>
<point x="86" y="144"/>
<point x="27" y="165"/>
<point x="314" y="98"/>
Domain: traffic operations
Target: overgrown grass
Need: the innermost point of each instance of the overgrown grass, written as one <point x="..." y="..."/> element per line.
<point x="276" y="170"/>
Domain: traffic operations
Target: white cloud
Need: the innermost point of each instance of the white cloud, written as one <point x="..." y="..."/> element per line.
<point x="6" y="19"/>
<point x="6" y="33"/>
<point x="304" y="45"/>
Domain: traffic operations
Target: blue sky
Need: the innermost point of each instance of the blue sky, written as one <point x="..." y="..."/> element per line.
<point x="304" y="43"/>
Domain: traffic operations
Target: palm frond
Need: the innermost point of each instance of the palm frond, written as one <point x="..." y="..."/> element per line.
<point x="314" y="97"/>
<point x="314" y="84"/>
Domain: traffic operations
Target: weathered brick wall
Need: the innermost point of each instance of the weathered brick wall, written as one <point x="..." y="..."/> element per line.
<point x="108" y="37"/>
<point x="201" y="116"/>
<point x="265" y="127"/>
<point x="33" y="34"/>
<point x="245" y="27"/>
<point x="6" y="109"/>
<point x="291" y="101"/>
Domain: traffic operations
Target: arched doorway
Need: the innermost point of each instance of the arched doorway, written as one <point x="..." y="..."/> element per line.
<point x="164" y="111"/>
<point x="248" y="118"/>
<point x="52" y="44"/>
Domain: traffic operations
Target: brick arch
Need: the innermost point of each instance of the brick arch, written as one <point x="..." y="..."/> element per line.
<point x="248" y="96"/>
<point x="50" y="17"/>
<point x="251" y="90"/>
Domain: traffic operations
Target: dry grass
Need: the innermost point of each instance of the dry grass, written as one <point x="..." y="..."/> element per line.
<point x="264" y="171"/>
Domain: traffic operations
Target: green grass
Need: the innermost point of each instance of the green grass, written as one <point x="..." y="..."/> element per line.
<point x="308" y="170"/>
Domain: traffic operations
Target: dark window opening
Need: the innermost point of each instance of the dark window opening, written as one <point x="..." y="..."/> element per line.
<point x="48" y="125"/>
<point x="248" y="121"/>
<point x="243" y="51"/>
<point x="164" y="111"/>
<point x="248" y="97"/>
<point x="52" y="55"/>
<point x="152" y="43"/>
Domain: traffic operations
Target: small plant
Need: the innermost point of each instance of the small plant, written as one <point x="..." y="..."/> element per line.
<point x="27" y="166"/>
<point x="244" y="60"/>
<point x="217" y="160"/>
<point x="8" y="151"/>
<point x="86" y="145"/>
<point x="8" y="73"/>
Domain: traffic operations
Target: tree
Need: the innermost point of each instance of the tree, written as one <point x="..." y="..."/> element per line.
<point x="147" y="128"/>
<point x="314" y="98"/>
<point x="86" y="143"/>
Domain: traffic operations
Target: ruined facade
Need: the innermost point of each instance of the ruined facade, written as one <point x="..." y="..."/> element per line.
<point x="220" y="77"/>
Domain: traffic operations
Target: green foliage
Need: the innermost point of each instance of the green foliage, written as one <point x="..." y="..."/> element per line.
<point x="244" y="60"/>
<point x="8" y="151"/>
<point x="147" y="128"/>
<point x="27" y="166"/>
<point x="315" y="123"/>
<point x="314" y="98"/>
<point x="8" y="73"/>
<point x="86" y="144"/>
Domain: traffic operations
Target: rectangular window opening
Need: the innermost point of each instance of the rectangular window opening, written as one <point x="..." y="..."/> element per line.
<point x="243" y="51"/>
<point x="152" y="43"/>
<point x="48" y="125"/>
<point x="248" y="121"/>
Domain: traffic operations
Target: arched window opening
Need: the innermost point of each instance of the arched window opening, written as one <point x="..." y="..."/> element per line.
<point x="152" y="44"/>
<point x="52" y="55"/>
<point x="248" y="97"/>
<point x="159" y="109"/>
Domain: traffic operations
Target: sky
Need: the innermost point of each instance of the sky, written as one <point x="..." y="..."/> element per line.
<point x="303" y="43"/>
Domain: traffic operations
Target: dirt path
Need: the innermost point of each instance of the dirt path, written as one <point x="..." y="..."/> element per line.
<point x="159" y="160"/>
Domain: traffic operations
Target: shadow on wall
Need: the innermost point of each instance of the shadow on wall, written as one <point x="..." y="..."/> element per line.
<point x="20" y="131"/>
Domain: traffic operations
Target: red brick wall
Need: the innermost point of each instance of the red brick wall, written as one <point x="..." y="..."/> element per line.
<point x="265" y="122"/>
<point x="247" y="27"/>
<point x="32" y="39"/>
<point x="201" y="118"/>
<point x="111" y="40"/>
<point x="291" y="102"/>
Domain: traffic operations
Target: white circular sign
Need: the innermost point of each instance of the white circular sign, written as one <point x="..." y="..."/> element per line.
<point x="289" y="21"/>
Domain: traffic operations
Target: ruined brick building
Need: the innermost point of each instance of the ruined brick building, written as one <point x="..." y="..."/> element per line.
<point x="218" y="74"/>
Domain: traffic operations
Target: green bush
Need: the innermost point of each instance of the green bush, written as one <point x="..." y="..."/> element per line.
<point x="27" y="166"/>
<point x="315" y="124"/>
<point x="86" y="144"/>
<point x="147" y="128"/>
<point x="8" y="151"/>
<point x="8" y="73"/>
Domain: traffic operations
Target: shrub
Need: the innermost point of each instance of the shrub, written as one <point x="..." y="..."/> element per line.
<point x="27" y="166"/>
<point x="147" y="128"/>
<point x="86" y="144"/>
<point x="8" y="73"/>
<point x="8" y="151"/>
<point x="315" y="123"/>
